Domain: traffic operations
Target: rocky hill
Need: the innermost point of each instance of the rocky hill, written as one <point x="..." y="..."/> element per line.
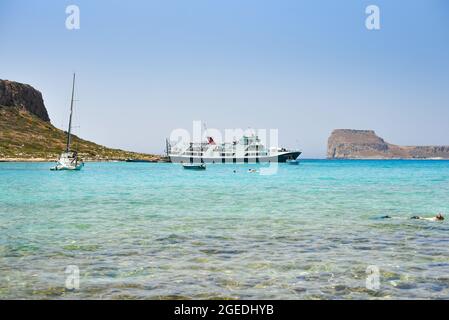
<point x="23" y="96"/>
<point x="26" y="133"/>
<point x="365" y="144"/>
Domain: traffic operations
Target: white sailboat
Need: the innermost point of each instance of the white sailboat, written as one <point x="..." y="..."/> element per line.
<point x="69" y="160"/>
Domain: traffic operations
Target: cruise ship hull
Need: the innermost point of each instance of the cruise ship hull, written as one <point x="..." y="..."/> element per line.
<point x="280" y="157"/>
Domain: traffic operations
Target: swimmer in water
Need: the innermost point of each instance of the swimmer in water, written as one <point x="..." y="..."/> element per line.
<point x="252" y="170"/>
<point x="438" y="217"/>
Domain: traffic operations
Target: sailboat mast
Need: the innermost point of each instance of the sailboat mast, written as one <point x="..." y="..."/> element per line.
<point x="70" y="119"/>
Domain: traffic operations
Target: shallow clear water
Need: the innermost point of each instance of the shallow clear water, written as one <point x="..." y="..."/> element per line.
<point x="157" y="231"/>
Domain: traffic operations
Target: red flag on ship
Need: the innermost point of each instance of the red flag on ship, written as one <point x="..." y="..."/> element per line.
<point x="210" y="140"/>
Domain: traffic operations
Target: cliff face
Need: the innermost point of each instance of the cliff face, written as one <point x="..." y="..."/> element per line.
<point x="14" y="94"/>
<point x="365" y="144"/>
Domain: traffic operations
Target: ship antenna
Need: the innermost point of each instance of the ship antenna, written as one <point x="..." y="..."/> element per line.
<point x="70" y="119"/>
<point x="205" y="130"/>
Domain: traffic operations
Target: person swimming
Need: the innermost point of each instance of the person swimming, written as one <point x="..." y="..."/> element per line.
<point x="252" y="170"/>
<point x="438" y="217"/>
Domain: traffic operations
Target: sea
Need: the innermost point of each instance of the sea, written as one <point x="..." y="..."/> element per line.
<point x="158" y="231"/>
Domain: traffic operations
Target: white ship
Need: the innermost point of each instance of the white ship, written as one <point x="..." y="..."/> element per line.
<point x="248" y="149"/>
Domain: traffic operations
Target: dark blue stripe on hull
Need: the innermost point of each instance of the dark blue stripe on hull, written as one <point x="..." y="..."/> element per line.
<point x="281" y="158"/>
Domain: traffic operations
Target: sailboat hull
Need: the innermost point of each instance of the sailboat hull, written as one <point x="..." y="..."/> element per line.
<point x="68" y="161"/>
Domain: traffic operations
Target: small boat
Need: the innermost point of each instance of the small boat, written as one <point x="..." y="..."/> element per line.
<point x="69" y="160"/>
<point x="139" y="160"/>
<point x="194" y="166"/>
<point x="294" y="162"/>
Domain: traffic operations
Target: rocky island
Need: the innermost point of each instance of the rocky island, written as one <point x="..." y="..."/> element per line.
<point x="365" y="144"/>
<point x="26" y="133"/>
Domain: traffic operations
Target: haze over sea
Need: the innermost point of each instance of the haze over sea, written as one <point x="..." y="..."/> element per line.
<point x="155" y="231"/>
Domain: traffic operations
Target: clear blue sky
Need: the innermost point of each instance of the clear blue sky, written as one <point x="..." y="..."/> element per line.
<point x="304" y="67"/>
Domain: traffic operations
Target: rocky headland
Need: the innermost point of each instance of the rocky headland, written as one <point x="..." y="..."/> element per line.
<point x="26" y="133"/>
<point x="365" y="144"/>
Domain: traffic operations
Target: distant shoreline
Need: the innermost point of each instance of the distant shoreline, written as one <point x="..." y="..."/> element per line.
<point x="43" y="160"/>
<point x="387" y="159"/>
<point x="53" y="160"/>
<point x="37" y="160"/>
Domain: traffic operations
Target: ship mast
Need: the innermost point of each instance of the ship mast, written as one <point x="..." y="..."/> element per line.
<point x="70" y="119"/>
<point x="167" y="148"/>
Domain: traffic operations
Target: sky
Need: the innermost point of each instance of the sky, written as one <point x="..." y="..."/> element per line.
<point x="145" y="68"/>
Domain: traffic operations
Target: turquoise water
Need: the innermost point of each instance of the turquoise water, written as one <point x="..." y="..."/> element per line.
<point x="156" y="231"/>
